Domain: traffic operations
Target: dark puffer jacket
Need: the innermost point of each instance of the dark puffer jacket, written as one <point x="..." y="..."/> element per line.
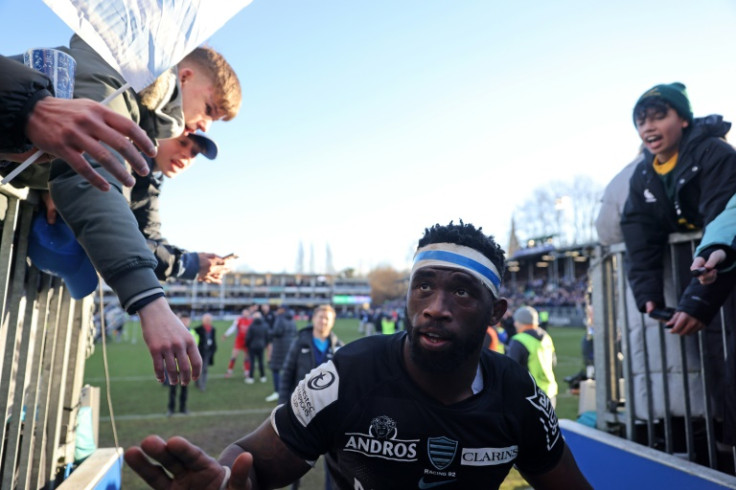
<point x="705" y="178"/>
<point x="300" y="360"/>
<point x="173" y="262"/>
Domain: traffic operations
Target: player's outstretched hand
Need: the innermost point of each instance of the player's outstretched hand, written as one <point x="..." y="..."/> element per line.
<point x="170" y="343"/>
<point x="186" y="466"/>
<point x="67" y="128"/>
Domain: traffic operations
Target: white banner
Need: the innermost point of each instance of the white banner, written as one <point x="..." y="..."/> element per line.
<point x="143" y="38"/>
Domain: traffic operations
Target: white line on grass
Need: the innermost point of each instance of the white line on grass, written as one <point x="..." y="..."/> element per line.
<point x="207" y="413"/>
<point x="138" y="378"/>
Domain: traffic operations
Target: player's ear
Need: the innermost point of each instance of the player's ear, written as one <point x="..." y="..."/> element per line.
<point x="499" y="308"/>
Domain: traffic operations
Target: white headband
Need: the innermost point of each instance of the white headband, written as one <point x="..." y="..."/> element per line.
<point x="459" y="257"/>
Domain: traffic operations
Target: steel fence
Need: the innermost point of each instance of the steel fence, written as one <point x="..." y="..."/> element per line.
<point x="661" y="390"/>
<point x="45" y="337"/>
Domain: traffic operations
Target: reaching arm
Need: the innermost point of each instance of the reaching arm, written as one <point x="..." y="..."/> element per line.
<point x="257" y="461"/>
<point x="30" y="115"/>
<point x="231" y="329"/>
<point x="170" y="343"/>
<point x="180" y="464"/>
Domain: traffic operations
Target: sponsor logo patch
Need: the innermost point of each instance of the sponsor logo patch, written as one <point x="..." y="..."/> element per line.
<point x="488" y="456"/>
<point x="317" y="390"/>
<point x="382" y="441"/>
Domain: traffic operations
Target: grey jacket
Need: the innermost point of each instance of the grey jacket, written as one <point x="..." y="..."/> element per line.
<point x="608" y="221"/>
<point x="102" y="221"/>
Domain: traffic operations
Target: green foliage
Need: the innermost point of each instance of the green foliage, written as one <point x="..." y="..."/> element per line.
<point x="229" y="408"/>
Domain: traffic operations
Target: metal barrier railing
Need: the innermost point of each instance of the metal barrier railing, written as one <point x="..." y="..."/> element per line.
<point x="45" y="337"/>
<point x="661" y="390"/>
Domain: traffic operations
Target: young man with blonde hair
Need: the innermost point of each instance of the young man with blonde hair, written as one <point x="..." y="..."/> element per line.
<point x="180" y="101"/>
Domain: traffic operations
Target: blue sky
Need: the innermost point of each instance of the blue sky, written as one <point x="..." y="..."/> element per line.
<point x="364" y="122"/>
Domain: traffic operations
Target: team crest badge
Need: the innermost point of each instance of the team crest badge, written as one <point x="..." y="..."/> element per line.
<point x="441" y="451"/>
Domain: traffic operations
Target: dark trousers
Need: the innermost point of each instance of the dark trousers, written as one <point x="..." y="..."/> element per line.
<point x="182" y="398"/>
<point x="202" y="381"/>
<point x="256" y="357"/>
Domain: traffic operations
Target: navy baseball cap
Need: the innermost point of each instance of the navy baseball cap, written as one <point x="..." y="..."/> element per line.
<point x="207" y="147"/>
<point x="54" y="250"/>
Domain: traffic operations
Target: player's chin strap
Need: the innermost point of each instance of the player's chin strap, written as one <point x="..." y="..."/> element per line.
<point x="226" y="480"/>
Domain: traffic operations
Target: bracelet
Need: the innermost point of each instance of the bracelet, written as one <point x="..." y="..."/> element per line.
<point x="226" y="480"/>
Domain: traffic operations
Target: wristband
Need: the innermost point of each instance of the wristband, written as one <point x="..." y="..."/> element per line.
<point x="226" y="480"/>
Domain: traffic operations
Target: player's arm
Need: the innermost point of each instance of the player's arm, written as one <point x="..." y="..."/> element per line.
<point x="274" y="464"/>
<point x="564" y="476"/>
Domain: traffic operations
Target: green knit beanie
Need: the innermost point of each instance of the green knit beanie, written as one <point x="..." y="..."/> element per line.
<point x="674" y="94"/>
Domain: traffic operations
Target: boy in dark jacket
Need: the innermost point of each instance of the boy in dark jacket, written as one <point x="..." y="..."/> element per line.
<point x="175" y="156"/>
<point x="686" y="177"/>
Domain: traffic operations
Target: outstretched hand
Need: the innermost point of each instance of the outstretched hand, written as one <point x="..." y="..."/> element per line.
<point x="67" y="128"/>
<point x="179" y="464"/>
<point x="170" y="343"/>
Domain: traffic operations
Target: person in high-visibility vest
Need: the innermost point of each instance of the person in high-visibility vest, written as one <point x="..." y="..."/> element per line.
<point x="533" y="347"/>
<point x="388" y="326"/>
<point x="544" y="319"/>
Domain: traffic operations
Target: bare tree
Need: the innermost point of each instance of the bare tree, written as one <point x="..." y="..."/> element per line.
<point x="386" y="284"/>
<point x="585" y="197"/>
<point x="565" y="210"/>
<point x="537" y="217"/>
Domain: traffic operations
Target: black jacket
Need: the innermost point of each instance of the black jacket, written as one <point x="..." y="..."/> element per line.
<point x="173" y="262"/>
<point x="257" y="336"/>
<point x="300" y="360"/>
<point x="705" y="178"/>
<point x="207" y="343"/>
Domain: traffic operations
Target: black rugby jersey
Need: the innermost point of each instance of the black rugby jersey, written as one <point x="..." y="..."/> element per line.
<point x="380" y="431"/>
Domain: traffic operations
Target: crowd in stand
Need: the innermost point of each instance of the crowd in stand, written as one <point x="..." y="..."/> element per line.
<point x="543" y="293"/>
